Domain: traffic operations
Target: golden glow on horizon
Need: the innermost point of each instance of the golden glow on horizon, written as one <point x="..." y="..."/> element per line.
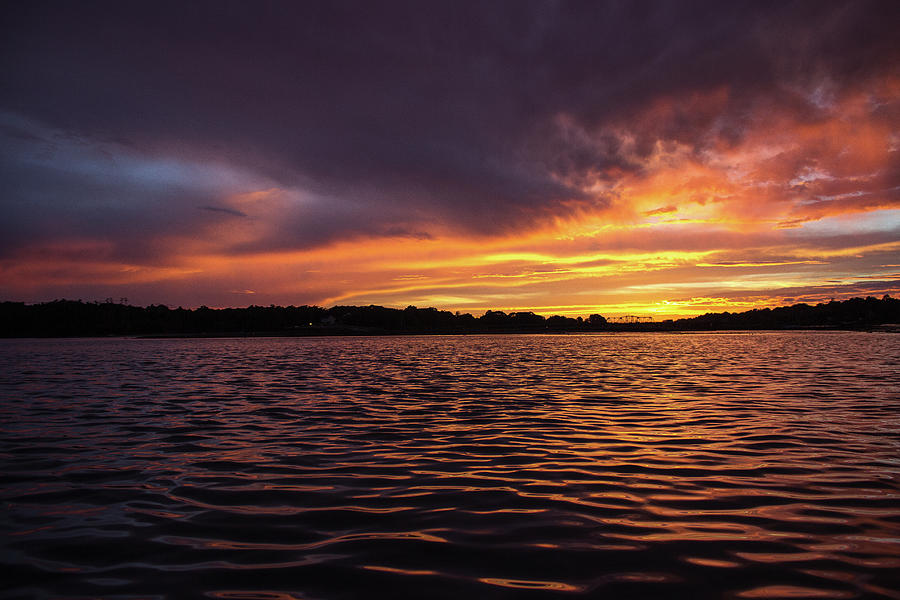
<point x="794" y="209"/>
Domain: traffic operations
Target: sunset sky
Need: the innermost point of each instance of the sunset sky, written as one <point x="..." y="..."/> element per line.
<point x="650" y="158"/>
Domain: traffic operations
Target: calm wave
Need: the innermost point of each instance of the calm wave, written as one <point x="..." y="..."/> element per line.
<point x="697" y="466"/>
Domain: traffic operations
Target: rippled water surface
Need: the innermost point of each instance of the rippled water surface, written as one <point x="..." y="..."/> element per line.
<point x="735" y="465"/>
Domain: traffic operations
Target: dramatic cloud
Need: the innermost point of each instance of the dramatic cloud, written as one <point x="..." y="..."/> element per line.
<point x="400" y="152"/>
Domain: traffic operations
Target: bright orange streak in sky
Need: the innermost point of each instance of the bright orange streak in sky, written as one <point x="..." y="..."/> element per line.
<point x="794" y="211"/>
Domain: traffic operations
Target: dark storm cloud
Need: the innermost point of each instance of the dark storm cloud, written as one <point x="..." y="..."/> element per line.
<point x="489" y="116"/>
<point x="227" y="211"/>
<point x="62" y="188"/>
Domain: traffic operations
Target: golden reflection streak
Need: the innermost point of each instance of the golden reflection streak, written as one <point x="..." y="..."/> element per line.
<point x="400" y="571"/>
<point x="528" y="584"/>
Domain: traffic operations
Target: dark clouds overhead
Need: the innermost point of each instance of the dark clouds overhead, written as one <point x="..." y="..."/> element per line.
<point x="394" y="116"/>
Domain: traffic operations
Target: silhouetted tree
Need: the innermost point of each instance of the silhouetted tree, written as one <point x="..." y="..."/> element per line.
<point x="596" y="321"/>
<point x="77" y="318"/>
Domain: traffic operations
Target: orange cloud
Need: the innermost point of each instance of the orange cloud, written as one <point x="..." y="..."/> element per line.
<point x="682" y="219"/>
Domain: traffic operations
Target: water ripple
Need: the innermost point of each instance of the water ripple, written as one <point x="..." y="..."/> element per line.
<point x="761" y="465"/>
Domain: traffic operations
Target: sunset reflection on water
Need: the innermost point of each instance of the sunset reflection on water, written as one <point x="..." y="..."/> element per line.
<point x="701" y="465"/>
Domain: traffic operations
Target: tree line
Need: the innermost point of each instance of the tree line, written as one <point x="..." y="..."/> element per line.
<point x="61" y="318"/>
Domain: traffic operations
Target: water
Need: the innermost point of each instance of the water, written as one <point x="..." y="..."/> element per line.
<point x="615" y="466"/>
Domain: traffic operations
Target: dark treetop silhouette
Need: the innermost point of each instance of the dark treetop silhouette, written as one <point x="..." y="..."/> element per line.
<point x="77" y="318"/>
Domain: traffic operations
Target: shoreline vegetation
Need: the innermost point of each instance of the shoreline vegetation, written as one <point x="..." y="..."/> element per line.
<point x="75" y="318"/>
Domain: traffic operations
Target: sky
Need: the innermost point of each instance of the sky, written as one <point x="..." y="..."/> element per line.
<point x="658" y="159"/>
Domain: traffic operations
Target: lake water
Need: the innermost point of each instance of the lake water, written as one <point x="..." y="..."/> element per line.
<point x="727" y="465"/>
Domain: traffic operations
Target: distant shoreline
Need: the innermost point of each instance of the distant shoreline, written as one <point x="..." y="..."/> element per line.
<point x="74" y="318"/>
<point x="894" y="328"/>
